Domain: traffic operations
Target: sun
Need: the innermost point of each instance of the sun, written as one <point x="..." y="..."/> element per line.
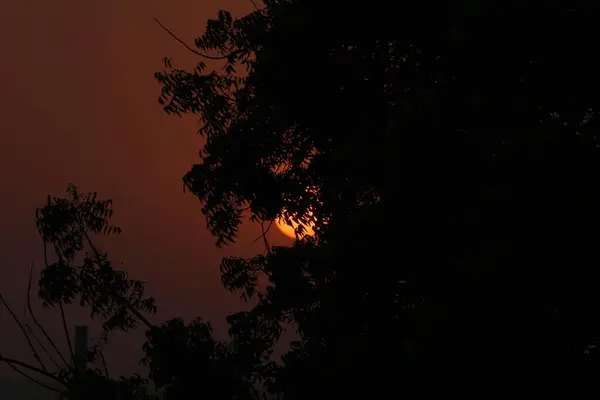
<point x="290" y="231"/>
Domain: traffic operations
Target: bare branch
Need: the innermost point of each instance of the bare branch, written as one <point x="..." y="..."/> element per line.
<point x="40" y="327"/>
<point x="190" y="48"/>
<point x="254" y="4"/>
<point x="20" y="324"/>
<point x="45" y="254"/>
<point x="37" y="382"/>
<point x="41" y="345"/>
<point x="263" y="235"/>
<point x="14" y="362"/>
<point x="29" y="329"/>
<point x="66" y="329"/>
<point x="122" y="300"/>
<point x="104" y="365"/>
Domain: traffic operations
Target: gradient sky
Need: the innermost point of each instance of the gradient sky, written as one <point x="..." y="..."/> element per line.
<point x="78" y="104"/>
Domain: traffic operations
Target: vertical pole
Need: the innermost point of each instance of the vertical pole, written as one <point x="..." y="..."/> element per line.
<point x="81" y="348"/>
<point x="80" y="360"/>
<point x="79" y="353"/>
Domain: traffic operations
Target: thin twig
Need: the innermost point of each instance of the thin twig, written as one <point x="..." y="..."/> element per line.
<point x="190" y="48"/>
<point x="29" y="329"/>
<point x="40" y="327"/>
<point x="31" y="313"/>
<point x="120" y="298"/>
<point x="263" y="234"/>
<point x="16" y="319"/>
<point x="41" y="345"/>
<point x="104" y="365"/>
<point x="254" y="4"/>
<point x="32" y="379"/>
<point x="32" y="368"/>
<point x="66" y="329"/>
<point x="263" y="231"/>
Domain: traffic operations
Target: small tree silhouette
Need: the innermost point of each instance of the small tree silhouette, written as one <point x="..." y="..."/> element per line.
<point x="81" y="273"/>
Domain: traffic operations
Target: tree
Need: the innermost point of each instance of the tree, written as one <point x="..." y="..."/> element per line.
<point x="449" y="161"/>
<point x="176" y="354"/>
<point x="82" y="273"/>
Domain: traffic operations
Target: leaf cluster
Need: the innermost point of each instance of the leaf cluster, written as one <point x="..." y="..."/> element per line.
<point x="81" y="271"/>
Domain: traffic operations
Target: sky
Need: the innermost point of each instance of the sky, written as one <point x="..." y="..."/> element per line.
<point x="79" y="105"/>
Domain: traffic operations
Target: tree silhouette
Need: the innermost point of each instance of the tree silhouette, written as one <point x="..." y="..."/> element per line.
<point x="79" y="273"/>
<point x="448" y="156"/>
<point x="66" y="224"/>
<point x="180" y="357"/>
<point x="176" y="354"/>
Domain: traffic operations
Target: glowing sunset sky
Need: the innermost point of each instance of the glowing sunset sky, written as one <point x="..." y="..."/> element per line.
<point x="78" y="104"/>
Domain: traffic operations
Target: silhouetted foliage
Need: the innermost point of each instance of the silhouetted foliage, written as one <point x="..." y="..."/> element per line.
<point x="180" y="356"/>
<point x="448" y="154"/>
<point x="81" y="273"/>
<point x="65" y="224"/>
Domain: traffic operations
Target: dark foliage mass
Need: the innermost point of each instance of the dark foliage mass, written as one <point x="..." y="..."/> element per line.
<point x="81" y="270"/>
<point x="448" y="154"/>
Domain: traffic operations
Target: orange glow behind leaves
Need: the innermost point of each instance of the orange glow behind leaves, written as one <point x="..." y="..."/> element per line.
<point x="290" y="231"/>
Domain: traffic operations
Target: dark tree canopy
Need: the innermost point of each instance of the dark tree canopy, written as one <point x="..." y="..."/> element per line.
<point x="448" y="154"/>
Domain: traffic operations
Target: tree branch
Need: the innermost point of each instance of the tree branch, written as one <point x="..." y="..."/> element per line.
<point x="104" y="365"/>
<point x="190" y="48"/>
<point x="10" y="361"/>
<point x="41" y="345"/>
<point x="120" y="298"/>
<point x="40" y="327"/>
<point x="263" y="234"/>
<point x="29" y="329"/>
<point x="32" y="379"/>
<point x="16" y="319"/>
<point x="254" y="4"/>
<point x="66" y="329"/>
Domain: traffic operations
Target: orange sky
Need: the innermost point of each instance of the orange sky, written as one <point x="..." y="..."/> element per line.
<point x="78" y="104"/>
